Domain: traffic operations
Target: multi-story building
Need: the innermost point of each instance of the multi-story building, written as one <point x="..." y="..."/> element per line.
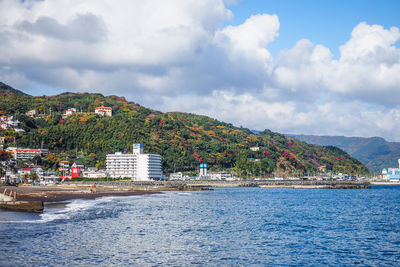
<point x="121" y="165"/>
<point x="26" y="153"/>
<point x="148" y="166"/>
<point x="103" y="111"/>
<point x="137" y="166"/>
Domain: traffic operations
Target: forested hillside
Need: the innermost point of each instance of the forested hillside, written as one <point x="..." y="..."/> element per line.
<point x="184" y="140"/>
<point x="375" y="152"/>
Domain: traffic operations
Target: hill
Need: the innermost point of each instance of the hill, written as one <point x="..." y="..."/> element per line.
<point x="375" y="152"/>
<point x="7" y="90"/>
<point x="184" y="140"/>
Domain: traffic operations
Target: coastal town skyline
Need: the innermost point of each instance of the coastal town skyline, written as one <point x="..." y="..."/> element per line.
<point x="285" y="66"/>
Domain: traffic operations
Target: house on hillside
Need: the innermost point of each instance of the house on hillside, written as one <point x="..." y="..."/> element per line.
<point x="32" y="113"/>
<point x="69" y="112"/>
<point x="103" y="111"/>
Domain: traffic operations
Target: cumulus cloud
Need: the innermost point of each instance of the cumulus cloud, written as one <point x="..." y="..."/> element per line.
<point x="368" y="68"/>
<point x="177" y="56"/>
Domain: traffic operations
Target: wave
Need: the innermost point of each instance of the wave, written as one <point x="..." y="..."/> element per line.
<point x="56" y="211"/>
<point x="78" y="209"/>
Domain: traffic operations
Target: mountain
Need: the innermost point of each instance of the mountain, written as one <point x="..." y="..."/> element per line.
<point x="184" y="140"/>
<point x="375" y="152"/>
<point x="6" y="90"/>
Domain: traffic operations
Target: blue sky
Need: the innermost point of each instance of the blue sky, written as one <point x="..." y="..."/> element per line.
<point x="327" y="22"/>
<point x="304" y="67"/>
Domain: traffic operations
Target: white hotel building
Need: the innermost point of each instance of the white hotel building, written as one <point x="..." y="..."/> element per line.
<point x="137" y="166"/>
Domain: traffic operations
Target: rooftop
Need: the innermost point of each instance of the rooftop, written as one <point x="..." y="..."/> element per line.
<point x="103" y="107"/>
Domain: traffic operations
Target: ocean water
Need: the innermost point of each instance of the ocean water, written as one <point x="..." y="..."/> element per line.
<point x="224" y="227"/>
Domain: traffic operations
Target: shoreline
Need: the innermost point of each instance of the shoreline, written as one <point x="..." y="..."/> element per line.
<point x="385" y="183"/>
<point x="64" y="193"/>
<point x="83" y="190"/>
<point x="58" y="197"/>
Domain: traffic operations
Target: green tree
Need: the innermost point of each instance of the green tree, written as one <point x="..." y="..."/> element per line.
<point x="2" y="171"/>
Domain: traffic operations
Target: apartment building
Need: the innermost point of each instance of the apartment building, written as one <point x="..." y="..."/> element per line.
<point x="120" y="165"/>
<point x="148" y="166"/>
<point x="26" y="153"/>
<point x="137" y="166"/>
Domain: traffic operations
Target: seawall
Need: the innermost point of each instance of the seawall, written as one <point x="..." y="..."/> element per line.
<point x="206" y="185"/>
<point x="10" y="202"/>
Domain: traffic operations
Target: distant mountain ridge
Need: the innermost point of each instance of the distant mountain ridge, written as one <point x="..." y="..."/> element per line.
<point x="375" y="152"/>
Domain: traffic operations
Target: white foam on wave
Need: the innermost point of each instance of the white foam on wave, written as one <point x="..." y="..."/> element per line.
<point x="76" y="206"/>
<point x="71" y="209"/>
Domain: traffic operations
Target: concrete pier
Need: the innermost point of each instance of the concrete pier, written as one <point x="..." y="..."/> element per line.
<point x="10" y="202"/>
<point x="207" y="184"/>
<point x="27" y="206"/>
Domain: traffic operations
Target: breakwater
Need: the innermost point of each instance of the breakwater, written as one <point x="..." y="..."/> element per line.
<point x="207" y="184"/>
<point x="10" y="202"/>
<point x="146" y="185"/>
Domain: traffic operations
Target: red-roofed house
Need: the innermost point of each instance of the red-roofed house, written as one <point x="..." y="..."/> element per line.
<point x="103" y="111"/>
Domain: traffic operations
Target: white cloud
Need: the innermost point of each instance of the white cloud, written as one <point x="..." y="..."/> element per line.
<point x="371" y="43"/>
<point x="247" y="42"/>
<point x="176" y="55"/>
<point x="368" y="68"/>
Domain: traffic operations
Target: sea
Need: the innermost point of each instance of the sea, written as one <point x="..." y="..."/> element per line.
<point x="223" y="227"/>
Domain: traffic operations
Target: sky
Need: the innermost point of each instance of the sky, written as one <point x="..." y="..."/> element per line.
<point x="327" y="67"/>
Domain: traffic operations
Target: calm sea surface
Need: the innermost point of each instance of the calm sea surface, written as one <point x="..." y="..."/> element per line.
<point x="224" y="227"/>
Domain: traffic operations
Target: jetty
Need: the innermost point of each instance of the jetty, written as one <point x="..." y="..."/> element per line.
<point x="315" y="184"/>
<point x="8" y="200"/>
<point x="198" y="185"/>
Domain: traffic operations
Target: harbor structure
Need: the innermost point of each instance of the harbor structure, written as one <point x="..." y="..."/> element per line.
<point x="137" y="166"/>
<point x="203" y="170"/>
